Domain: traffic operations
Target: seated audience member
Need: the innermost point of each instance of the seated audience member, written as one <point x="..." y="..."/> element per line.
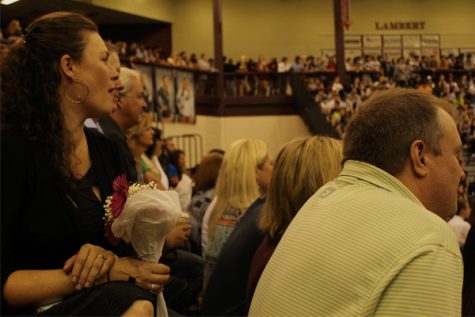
<point x="218" y="151"/>
<point x="459" y="221"/>
<point x="177" y="167"/>
<point x="236" y="189"/>
<point x="205" y="181"/>
<point x="140" y="139"/>
<point x="468" y="293"/>
<point x="130" y="106"/>
<point x="152" y="155"/>
<point x="232" y="266"/>
<point x="164" y="159"/>
<point x="375" y="240"/>
<point x="179" y="178"/>
<point x="301" y="168"/>
<point x="14" y="32"/>
<point x="55" y="257"/>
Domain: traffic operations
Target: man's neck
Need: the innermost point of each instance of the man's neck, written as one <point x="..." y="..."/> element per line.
<point x="119" y="120"/>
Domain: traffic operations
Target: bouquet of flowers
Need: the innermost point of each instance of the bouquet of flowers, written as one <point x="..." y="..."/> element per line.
<point x="141" y="215"/>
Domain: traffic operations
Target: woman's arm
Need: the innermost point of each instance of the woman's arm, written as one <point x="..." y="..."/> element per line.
<point x="144" y="274"/>
<point x="37" y="287"/>
<point x="152" y="177"/>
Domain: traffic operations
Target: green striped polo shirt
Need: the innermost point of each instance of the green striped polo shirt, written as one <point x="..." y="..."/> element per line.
<point x="363" y="245"/>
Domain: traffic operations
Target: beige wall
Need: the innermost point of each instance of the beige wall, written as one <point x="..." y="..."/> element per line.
<point x="221" y="132"/>
<point x="193" y="27"/>
<point x="277" y="28"/>
<point x="163" y="10"/>
<point x="289" y="27"/>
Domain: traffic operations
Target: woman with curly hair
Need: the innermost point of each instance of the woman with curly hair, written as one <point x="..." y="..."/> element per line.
<point x="55" y="257"/>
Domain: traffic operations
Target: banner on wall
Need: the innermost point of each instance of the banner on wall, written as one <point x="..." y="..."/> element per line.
<point x="146" y="78"/>
<point x="411" y="41"/>
<point x="185" y="97"/>
<point x="372" y="41"/>
<point x="392" y="41"/>
<point x="345" y="13"/>
<point x="165" y="94"/>
<point x="353" y="41"/>
<point x="430" y="41"/>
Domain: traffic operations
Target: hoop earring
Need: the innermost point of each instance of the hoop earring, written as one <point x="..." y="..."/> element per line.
<point x="78" y="91"/>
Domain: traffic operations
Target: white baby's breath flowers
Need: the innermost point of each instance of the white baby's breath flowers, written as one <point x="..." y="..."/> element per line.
<point x="132" y="189"/>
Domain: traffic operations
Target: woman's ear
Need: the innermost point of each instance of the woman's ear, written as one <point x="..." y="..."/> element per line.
<point x="420" y="160"/>
<point x="67" y="66"/>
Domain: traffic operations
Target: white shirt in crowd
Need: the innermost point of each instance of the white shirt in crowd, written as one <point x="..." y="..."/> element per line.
<point x="461" y="228"/>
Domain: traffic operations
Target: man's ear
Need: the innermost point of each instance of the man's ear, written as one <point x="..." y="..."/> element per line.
<point x="66" y="65"/>
<point x="418" y="154"/>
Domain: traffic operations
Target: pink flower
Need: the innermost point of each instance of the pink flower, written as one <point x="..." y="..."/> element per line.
<point x="109" y="235"/>
<point x="119" y="196"/>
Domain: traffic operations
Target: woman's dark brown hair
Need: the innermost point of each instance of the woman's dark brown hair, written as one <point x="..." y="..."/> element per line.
<point x="207" y="173"/>
<point x="30" y="81"/>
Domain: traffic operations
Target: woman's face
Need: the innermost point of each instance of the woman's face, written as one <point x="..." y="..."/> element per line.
<point x="158" y="147"/>
<point x="114" y="62"/>
<point x="264" y="174"/>
<point x="145" y="138"/>
<point x="181" y="160"/>
<point x="98" y="74"/>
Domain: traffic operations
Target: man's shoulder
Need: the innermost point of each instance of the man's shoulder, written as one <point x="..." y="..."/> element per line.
<point x="378" y="211"/>
<point x="100" y="142"/>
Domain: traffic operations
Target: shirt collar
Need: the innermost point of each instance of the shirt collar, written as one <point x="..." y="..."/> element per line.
<point x="377" y="177"/>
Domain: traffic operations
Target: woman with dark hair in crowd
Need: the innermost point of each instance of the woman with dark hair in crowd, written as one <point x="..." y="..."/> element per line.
<point x="55" y="257"/>
<point x="205" y="181"/>
<point x="177" y="167"/>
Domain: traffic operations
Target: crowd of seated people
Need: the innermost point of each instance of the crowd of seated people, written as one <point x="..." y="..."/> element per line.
<point x="339" y="102"/>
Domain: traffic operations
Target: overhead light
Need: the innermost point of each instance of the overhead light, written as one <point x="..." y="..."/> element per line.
<point x="7" y="2"/>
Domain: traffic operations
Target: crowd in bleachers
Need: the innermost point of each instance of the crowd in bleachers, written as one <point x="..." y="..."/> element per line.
<point x="339" y="101"/>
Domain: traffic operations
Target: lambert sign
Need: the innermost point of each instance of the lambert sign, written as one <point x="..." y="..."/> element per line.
<point x="400" y="25"/>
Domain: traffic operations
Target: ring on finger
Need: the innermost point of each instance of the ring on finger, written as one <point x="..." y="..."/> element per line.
<point x="100" y="256"/>
<point x="155" y="287"/>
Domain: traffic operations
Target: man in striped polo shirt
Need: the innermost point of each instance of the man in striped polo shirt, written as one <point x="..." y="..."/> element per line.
<point x="375" y="240"/>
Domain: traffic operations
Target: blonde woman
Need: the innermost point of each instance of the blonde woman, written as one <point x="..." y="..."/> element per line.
<point x="301" y="168"/>
<point x="139" y="140"/>
<point x="246" y="167"/>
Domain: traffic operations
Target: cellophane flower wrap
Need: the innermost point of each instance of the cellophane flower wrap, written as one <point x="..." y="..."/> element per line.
<point x="141" y="215"/>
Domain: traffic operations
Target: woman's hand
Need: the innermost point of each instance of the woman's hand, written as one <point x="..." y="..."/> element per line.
<point x="90" y="264"/>
<point x="148" y="275"/>
<point x="178" y="236"/>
